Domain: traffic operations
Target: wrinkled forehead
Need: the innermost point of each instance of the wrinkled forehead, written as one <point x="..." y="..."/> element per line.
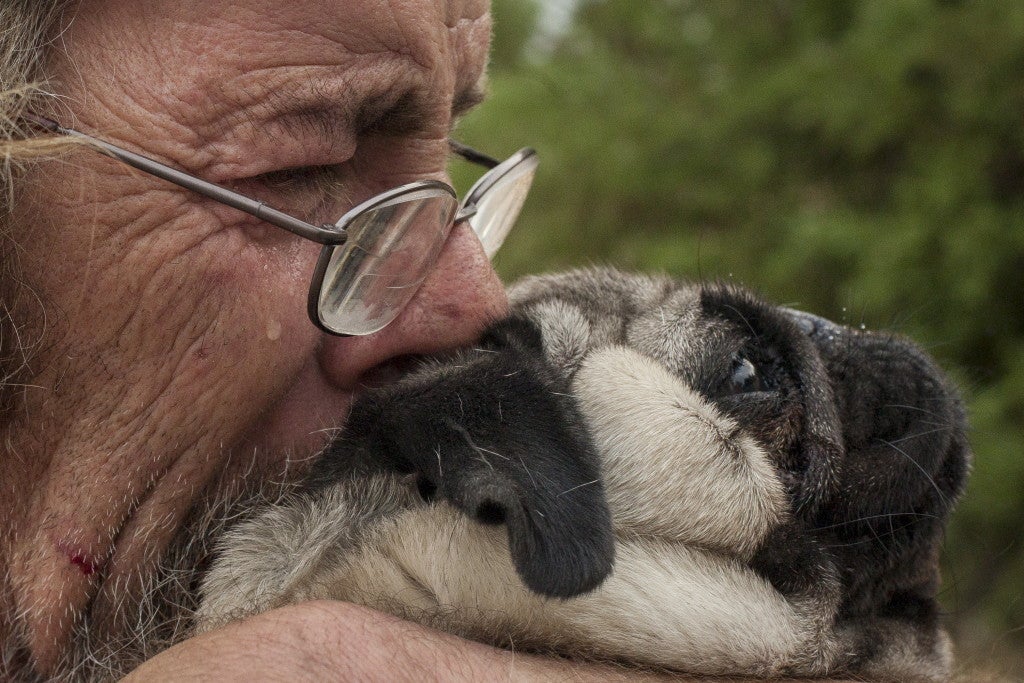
<point x="224" y="69"/>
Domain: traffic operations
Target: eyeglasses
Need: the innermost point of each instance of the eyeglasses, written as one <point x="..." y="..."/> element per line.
<point x="376" y="256"/>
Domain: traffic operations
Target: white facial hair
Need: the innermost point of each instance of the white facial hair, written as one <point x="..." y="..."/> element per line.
<point x="161" y="614"/>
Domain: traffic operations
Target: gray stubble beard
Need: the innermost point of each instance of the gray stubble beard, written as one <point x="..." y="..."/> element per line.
<point x="159" y="614"/>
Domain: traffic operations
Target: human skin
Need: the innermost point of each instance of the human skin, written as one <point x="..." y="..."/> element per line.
<point x="177" y="352"/>
<point x="321" y="641"/>
<point x="337" y="641"/>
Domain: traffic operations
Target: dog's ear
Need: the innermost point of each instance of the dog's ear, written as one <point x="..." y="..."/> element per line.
<point x="495" y="432"/>
<point x="905" y="464"/>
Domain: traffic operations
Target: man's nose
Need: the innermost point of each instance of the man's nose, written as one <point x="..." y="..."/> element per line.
<point x="458" y="299"/>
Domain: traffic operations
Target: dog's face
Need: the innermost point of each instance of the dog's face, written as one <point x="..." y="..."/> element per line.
<point x="864" y="431"/>
<point x="775" y="487"/>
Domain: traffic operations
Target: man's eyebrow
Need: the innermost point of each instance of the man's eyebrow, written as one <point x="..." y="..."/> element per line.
<point x="383" y="113"/>
<point x="324" y="119"/>
<point x="466" y="100"/>
<point x="409" y="113"/>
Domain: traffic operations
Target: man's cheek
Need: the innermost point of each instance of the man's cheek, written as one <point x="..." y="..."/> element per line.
<point x="95" y="268"/>
<point x="227" y="324"/>
<point x="176" y="307"/>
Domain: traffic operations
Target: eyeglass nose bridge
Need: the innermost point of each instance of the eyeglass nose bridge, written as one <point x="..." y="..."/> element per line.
<point x="466" y="212"/>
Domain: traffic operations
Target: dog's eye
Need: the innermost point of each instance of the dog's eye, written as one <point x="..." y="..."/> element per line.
<point x="744" y="378"/>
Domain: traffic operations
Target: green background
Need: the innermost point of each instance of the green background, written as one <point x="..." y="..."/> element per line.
<point x="860" y="159"/>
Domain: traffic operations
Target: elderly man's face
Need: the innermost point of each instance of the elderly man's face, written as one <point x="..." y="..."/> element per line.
<point x="178" y="355"/>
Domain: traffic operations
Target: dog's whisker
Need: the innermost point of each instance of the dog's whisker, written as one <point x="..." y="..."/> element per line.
<point x="867" y="518"/>
<point x="923" y="471"/>
<point x="578" y="486"/>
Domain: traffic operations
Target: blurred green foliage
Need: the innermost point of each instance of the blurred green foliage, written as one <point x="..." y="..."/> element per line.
<point x="862" y="159"/>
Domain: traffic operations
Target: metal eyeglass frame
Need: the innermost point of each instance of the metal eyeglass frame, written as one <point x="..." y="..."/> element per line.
<point x="329" y="235"/>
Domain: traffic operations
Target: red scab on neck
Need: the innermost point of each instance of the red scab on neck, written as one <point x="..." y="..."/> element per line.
<point x="82" y="560"/>
<point x="85" y="565"/>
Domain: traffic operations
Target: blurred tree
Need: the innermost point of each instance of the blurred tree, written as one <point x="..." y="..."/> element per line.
<point x="863" y="159"/>
<point x="515" y="24"/>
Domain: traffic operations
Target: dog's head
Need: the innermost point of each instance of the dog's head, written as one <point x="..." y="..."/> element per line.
<point x="865" y="432"/>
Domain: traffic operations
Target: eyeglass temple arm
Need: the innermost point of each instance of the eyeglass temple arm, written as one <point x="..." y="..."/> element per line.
<point x="326" y="234"/>
<point x="471" y="155"/>
<point x="474" y="157"/>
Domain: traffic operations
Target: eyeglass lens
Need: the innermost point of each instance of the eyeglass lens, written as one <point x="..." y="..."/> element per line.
<point x="498" y="205"/>
<point x="390" y="249"/>
<point x="392" y="246"/>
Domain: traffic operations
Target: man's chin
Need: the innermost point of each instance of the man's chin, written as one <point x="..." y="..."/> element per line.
<point x="156" y="611"/>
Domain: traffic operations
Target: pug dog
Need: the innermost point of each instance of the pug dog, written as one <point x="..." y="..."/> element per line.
<point x="638" y="469"/>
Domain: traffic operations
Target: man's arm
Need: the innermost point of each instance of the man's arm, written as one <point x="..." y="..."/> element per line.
<point x="338" y="641"/>
<point x="321" y="641"/>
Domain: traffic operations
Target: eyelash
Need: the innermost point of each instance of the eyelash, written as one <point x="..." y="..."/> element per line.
<point x="300" y="178"/>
